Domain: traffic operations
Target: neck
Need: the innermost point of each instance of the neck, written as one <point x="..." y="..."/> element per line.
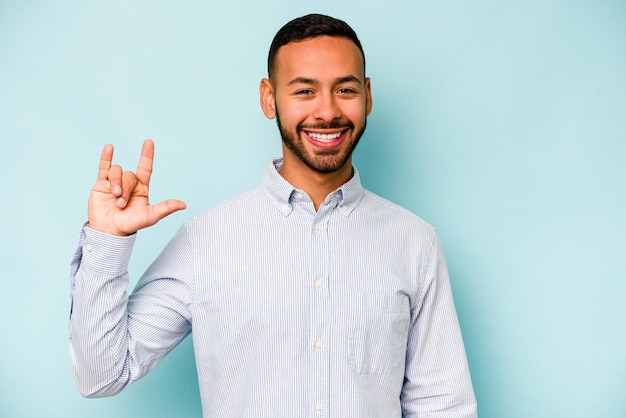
<point x="317" y="185"/>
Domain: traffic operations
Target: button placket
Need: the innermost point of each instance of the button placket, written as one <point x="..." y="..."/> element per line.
<point x="320" y="309"/>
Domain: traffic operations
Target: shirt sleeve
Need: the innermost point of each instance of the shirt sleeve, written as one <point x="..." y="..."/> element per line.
<point x="114" y="338"/>
<point x="437" y="381"/>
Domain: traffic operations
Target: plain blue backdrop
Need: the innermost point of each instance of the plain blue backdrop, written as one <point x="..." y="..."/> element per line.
<point x="502" y="123"/>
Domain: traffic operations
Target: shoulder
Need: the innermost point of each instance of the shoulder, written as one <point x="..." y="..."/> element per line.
<point x="379" y="207"/>
<point x="241" y="206"/>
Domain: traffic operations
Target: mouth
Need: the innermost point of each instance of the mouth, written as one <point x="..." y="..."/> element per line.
<point x="325" y="139"/>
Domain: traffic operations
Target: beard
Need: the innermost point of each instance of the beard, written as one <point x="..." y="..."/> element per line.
<point x="322" y="161"/>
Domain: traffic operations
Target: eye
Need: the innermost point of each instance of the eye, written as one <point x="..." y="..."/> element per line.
<point x="304" y="92"/>
<point x="346" y="90"/>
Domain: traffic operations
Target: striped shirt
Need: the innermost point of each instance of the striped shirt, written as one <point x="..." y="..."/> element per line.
<point x="342" y="312"/>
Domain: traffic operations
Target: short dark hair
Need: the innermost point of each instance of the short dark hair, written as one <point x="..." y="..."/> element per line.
<point x="306" y="27"/>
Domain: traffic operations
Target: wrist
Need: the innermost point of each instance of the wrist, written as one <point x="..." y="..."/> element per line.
<point x="107" y="230"/>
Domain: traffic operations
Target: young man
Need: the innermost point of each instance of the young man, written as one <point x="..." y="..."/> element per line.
<point x="308" y="296"/>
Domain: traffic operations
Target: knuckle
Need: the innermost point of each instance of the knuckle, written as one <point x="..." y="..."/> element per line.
<point x="115" y="170"/>
<point x="129" y="175"/>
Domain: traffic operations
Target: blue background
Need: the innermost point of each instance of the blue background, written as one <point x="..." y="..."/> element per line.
<point x="501" y="123"/>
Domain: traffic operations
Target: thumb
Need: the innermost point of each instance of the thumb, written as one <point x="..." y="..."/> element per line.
<point x="165" y="208"/>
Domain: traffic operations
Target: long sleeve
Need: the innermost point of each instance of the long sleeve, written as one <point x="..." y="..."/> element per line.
<point x="116" y="339"/>
<point x="437" y="380"/>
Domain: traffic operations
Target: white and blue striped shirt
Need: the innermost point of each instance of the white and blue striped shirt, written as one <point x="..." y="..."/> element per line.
<point x="344" y="312"/>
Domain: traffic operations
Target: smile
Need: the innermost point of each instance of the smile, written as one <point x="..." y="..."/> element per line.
<point x="326" y="138"/>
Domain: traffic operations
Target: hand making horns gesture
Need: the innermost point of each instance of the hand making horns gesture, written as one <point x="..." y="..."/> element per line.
<point x="118" y="204"/>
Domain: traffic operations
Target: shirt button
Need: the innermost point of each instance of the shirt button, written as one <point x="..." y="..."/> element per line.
<point x="285" y="207"/>
<point x="88" y="248"/>
<point x="318" y="283"/>
<point x="318" y="407"/>
<point x="316" y="227"/>
<point x="318" y="345"/>
<point x="299" y="195"/>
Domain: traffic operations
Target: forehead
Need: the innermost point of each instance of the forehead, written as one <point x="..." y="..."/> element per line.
<point x="319" y="57"/>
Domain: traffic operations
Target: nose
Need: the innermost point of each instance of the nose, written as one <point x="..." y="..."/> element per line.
<point x="327" y="108"/>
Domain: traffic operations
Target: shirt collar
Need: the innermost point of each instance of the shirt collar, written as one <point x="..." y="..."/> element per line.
<point x="281" y="192"/>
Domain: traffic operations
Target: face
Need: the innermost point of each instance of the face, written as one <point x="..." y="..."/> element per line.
<point x="320" y="97"/>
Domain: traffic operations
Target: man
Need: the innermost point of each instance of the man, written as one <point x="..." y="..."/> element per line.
<point x="308" y="296"/>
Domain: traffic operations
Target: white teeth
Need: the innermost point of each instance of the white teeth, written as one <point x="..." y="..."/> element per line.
<point x="324" y="137"/>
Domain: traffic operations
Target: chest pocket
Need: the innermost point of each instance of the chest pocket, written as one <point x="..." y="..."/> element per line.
<point x="378" y="333"/>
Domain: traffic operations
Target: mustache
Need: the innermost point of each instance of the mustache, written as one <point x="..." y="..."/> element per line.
<point x="323" y="125"/>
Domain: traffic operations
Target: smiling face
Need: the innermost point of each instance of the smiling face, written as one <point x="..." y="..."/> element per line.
<point x="320" y="97"/>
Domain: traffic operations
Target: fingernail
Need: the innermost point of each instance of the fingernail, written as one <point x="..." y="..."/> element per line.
<point x="116" y="189"/>
<point x="120" y="202"/>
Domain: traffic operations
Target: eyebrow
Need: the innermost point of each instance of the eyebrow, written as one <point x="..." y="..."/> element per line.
<point x="340" y="80"/>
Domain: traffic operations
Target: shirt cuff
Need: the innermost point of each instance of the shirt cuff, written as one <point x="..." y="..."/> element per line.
<point x="105" y="254"/>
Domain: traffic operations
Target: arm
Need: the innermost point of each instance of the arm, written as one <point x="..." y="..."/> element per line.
<point x="437" y="380"/>
<point x="111" y="340"/>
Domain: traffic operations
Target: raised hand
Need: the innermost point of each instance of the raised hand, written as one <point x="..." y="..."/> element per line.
<point x="118" y="204"/>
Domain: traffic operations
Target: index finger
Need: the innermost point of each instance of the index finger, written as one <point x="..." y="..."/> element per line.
<point x="144" y="168"/>
<point x="105" y="162"/>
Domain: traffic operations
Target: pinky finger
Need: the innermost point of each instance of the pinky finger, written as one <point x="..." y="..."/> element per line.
<point x="105" y="162"/>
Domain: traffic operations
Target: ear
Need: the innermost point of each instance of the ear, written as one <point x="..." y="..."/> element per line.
<point x="368" y="96"/>
<point x="268" y="101"/>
